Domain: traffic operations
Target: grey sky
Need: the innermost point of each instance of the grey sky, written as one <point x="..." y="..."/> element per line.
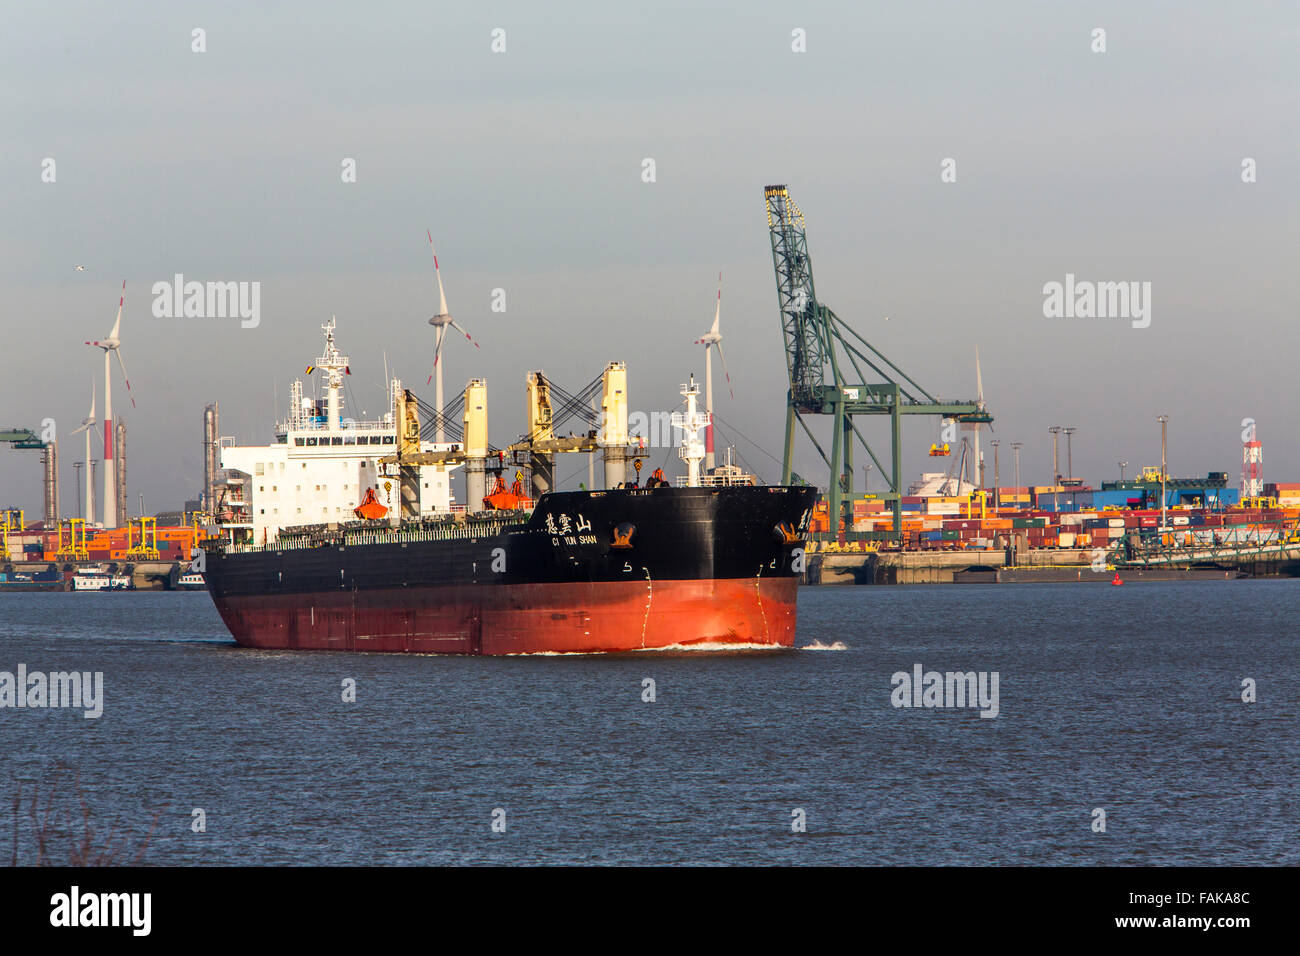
<point x="526" y="166"/>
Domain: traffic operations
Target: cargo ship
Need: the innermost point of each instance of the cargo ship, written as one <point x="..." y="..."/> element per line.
<point x="586" y="571"/>
<point x="709" y="562"/>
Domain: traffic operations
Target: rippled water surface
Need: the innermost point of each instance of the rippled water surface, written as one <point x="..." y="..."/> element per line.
<point x="1126" y="699"/>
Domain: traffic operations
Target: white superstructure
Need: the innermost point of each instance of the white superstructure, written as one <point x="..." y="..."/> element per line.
<point x="321" y="464"/>
<point x="98" y="578"/>
<point x="938" y="483"/>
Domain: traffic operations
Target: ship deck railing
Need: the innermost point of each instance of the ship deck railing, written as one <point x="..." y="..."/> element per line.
<point x="439" y="531"/>
<point x="717" y="481"/>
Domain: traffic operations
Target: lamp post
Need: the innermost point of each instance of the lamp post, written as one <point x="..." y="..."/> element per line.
<point x="1122" y="466"/>
<point x="1056" y="466"/>
<point x="1164" y="434"/>
<point x="1015" y="449"/>
<point x="76" y="466"/>
<point x="1069" y="450"/>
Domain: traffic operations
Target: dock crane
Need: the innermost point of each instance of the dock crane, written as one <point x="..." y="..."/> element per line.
<point x="815" y="340"/>
<point x="25" y="438"/>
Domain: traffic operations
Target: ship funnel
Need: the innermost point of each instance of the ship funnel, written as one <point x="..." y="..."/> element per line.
<point x="613" y="423"/>
<point x="476" y="443"/>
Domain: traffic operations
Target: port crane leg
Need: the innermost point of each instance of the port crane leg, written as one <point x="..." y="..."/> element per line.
<point x="837" y="468"/>
<point x="848" y="469"/>
<point x="896" y="472"/>
<point x="788" y="459"/>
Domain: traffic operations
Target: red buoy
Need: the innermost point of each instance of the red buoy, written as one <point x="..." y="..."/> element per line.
<point x="1117" y="579"/>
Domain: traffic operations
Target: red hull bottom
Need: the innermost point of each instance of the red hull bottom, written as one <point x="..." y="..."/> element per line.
<point x="522" y="618"/>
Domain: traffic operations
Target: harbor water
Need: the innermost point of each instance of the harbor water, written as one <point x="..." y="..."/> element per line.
<point x="1127" y="701"/>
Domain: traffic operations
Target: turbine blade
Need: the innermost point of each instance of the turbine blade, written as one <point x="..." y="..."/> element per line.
<point x="979" y="381"/>
<point x="717" y="312"/>
<point x="463" y="332"/>
<point x="117" y="324"/>
<point x="722" y="358"/>
<point x="125" y="377"/>
<point x="442" y="296"/>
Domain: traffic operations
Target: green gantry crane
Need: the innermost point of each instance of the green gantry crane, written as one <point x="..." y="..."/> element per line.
<point x="815" y="338"/>
<point x="21" y="438"/>
<point x="26" y="438"/>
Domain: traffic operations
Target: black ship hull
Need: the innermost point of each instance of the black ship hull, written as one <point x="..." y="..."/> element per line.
<point x="597" y="571"/>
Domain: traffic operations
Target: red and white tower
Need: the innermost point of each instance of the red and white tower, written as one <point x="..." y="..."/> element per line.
<point x="1252" y="464"/>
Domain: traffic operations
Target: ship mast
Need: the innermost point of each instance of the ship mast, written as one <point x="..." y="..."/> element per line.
<point x="691" y="423"/>
<point x="335" y="366"/>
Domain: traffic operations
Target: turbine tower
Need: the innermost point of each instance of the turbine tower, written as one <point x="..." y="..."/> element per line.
<point x="87" y="424"/>
<point x="708" y="340"/>
<point x="440" y="322"/>
<point x="977" y="426"/>
<point x="112" y="346"/>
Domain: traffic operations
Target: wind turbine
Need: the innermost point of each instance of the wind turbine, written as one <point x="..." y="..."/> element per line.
<point x="440" y="322"/>
<point x="87" y="424"/>
<point x="112" y="346"/>
<point x="708" y="340"/>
